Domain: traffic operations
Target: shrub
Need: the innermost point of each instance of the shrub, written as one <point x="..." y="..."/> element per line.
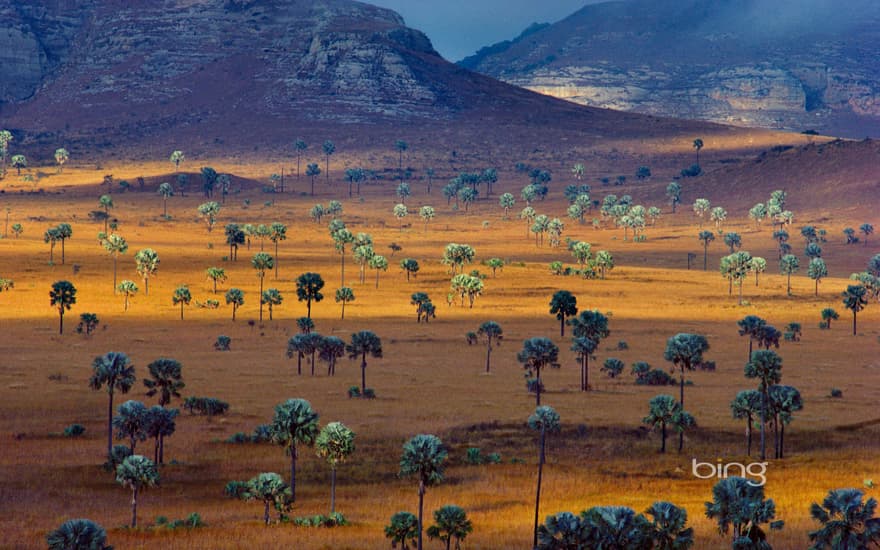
<point x="693" y="171"/>
<point x="191" y="522"/>
<point x="239" y="437"/>
<point x="262" y="433"/>
<point x="369" y="393"/>
<point x="74" y="430"/>
<point x="556" y="268"/>
<point x="622" y="345"/>
<point x="707" y="366"/>
<point x="493" y="458"/>
<point x="335" y="519"/>
<point x="793" y="332"/>
<point x="473" y="456"/>
<point x="354" y="391"/>
<point x="532" y="385"/>
<point x="206" y="406"/>
<point x="613" y="367"/>
<point x="222" y="343"/>
<point x="836" y="393"/>
<point x="823" y="325"/>
<point x="656" y="377"/>
<point x="235" y="489"/>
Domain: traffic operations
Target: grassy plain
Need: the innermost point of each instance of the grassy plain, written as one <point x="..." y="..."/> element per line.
<point x="429" y="380"/>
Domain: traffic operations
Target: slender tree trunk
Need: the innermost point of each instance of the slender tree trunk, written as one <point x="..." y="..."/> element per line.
<point x="333" y="490"/>
<point x="421" y="506"/>
<point x="706" y="257"/>
<point x="681" y="400"/>
<point x="749" y="435"/>
<point x="266" y="512"/>
<point x="309" y="307"/>
<point x="293" y="457"/>
<point x="156" y="451"/>
<point x="62" y="251"/>
<point x="276" y="260"/>
<point x="562" y="326"/>
<point x="364" y="374"/>
<point x="299" y="358"/>
<point x="134" y="507"/>
<point x="61" y="321"/>
<point x="538" y="388"/>
<point x="343" y="267"/>
<point x="488" y="353"/>
<point x="343" y="310"/>
<point x="756" y="278"/>
<point x="816" y="293"/>
<point x="261" y="296"/>
<point x="763" y="424"/>
<point x="776" y="436"/>
<point x="181" y="310"/>
<point x="789" y="283"/>
<point x="782" y="440"/>
<point x="161" y="449"/>
<point x="165" y="208"/>
<point x="110" y="424"/>
<point x="377" y="277"/>
<point x="854" y="322"/>
<point x="663" y="437"/>
<point x="538" y="491"/>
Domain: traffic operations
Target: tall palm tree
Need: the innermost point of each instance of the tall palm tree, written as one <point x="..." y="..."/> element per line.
<point x="329" y="149"/>
<point x="271" y="297"/>
<point x="563" y="304"/>
<point x="584" y="347"/>
<point x="298" y="344"/>
<point x="166" y="191"/>
<point x="62" y="296"/>
<point x="344" y="295"/>
<point x="269" y="488"/>
<point x="114" y="371"/>
<point x="181" y="296"/>
<point x="128" y="289"/>
<point x="847" y="522"/>
<point x="562" y="530"/>
<point x="312" y="171"/>
<point x="685" y="351"/>
<point x="308" y="290"/>
<point x="423" y="456"/>
<point x="262" y="262"/>
<point x="668" y="530"/>
<point x="78" y="534"/>
<point x="706" y="237"/>
<point x="295" y="423"/>
<point x="341" y="238"/>
<point x="64" y="232"/>
<point x="216" y="275"/>
<point x="379" y="263"/>
<point x="160" y="424"/>
<point x="545" y="420"/>
<point x="403" y="529"/>
<point x="137" y="472"/>
<point x="492" y="333"/>
<point x="166" y="379"/>
<point x="115" y="245"/>
<point x="450" y="523"/>
<point x="300" y="146"/>
<point x="615" y="527"/>
<point x="751" y="326"/>
<point x="330" y="349"/>
<point x="364" y="343"/>
<point x="235" y="297"/>
<point x="747" y="405"/>
<point x="698" y="144"/>
<point x="783" y="400"/>
<point x="538" y="353"/>
<point x="51" y="236"/>
<point x="277" y="233"/>
<point x="766" y="366"/>
<point x="666" y="412"/>
<point x="147" y="264"/>
<point x="334" y="444"/>
<point x="854" y="299"/>
<point x="131" y="422"/>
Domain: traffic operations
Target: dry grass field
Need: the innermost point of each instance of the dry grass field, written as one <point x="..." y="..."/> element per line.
<point x="429" y="380"/>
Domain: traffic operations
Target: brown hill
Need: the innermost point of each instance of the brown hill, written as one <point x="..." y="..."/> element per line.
<point x="225" y="76"/>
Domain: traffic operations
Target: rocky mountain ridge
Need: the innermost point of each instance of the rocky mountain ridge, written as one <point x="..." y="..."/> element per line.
<point x="813" y="65"/>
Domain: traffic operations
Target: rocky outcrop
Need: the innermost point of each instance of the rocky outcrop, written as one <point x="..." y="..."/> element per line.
<point x="719" y="60"/>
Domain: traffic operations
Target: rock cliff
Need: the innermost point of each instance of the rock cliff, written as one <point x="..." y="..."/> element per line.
<point x="793" y="65"/>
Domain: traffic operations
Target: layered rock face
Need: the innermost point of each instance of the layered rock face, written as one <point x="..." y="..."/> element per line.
<point x="797" y="66"/>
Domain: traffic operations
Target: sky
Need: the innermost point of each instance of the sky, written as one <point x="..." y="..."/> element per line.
<point x="458" y="28"/>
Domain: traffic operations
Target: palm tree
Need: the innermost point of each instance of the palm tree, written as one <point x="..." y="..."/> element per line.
<point x="787" y="265"/>
<point x="295" y="423"/>
<point x="166" y="191"/>
<point x="344" y="295"/>
<point x="176" y="158"/>
<point x="363" y="343"/>
<point x="166" y="379"/>
<point x="668" y="530"/>
<point x="298" y="344"/>
<point x="545" y="420"/>
<point x="331" y="348"/>
<point x="62" y="296"/>
<point x="493" y="334"/>
<point x="747" y="405"/>
<point x="159" y="424"/>
<point x="698" y="144"/>
<point x="131" y="422"/>
<point x="828" y="315"/>
<point x="262" y="262"/>
<point x="115" y="245"/>
<point x="538" y="353"/>
<point x="846" y="521"/>
<point x="685" y="351"/>
<point x="78" y="534"/>
<point x="666" y="412"/>
<point x="329" y="149"/>
<point x="738" y="505"/>
<point x="379" y="263"/>
<point x="235" y="297"/>
<point x="450" y="523"/>
<point x="308" y="289"/>
<point x="766" y="366"/>
<point x="106" y="202"/>
<point x="706" y="237"/>
<point x="128" y="289"/>
<point x="277" y="233"/>
<point x="272" y="297"/>
<point x="64" y="232"/>
<point x="342" y="237"/>
<point x="300" y="146"/>
<point x="51" y="236"/>
<point x="584" y="347"/>
<point x="216" y="274"/>
<point x="866" y="229"/>
<point x="137" y="472"/>
<point x="181" y="296"/>
<point x="115" y="371"/>
<point x="854" y="299"/>
<point x="147" y="264"/>
<point x="334" y="444"/>
<point x="563" y="304"/>
<point x="783" y="401"/>
<point x="269" y="488"/>
<point x="312" y="171"/>
<point x="423" y="456"/>
<point x="403" y="529"/>
<point x="751" y="326"/>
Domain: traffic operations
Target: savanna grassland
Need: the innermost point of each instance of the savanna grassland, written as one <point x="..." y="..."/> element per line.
<point x="429" y="380"/>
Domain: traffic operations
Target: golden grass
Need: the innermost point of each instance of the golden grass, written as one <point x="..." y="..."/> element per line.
<point x="428" y="380"/>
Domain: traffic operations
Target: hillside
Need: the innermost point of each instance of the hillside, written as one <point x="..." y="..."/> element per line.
<point x="222" y="77"/>
<point x="797" y="66"/>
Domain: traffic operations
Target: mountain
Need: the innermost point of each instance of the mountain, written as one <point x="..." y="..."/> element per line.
<point x="792" y="64"/>
<point x="224" y="76"/>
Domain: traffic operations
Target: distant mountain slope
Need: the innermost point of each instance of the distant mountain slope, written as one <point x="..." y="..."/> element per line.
<point x="794" y="64"/>
<point x="237" y="75"/>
